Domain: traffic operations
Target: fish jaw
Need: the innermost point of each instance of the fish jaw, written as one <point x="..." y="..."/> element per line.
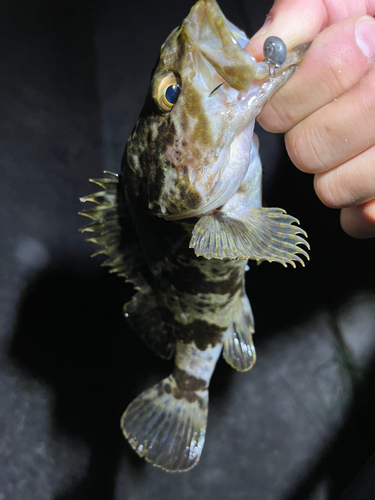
<point x="198" y="154"/>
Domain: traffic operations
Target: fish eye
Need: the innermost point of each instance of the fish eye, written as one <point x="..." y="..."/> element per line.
<point x="166" y="88"/>
<point x="172" y="93"/>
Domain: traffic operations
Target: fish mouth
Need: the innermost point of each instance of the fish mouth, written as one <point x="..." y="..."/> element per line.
<point x="221" y="44"/>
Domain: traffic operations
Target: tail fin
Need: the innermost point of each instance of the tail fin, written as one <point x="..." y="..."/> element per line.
<point x="167" y="425"/>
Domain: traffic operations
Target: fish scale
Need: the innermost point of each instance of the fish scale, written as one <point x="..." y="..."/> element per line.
<point x="183" y="218"/>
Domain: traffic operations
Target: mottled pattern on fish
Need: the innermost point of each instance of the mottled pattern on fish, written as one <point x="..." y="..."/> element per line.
<point x="183" y="218"/>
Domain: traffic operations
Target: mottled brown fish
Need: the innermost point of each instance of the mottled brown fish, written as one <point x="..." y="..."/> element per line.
<point x="183" y="218"/>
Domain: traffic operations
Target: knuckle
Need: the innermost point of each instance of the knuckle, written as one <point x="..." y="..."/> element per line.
<point x="339" y="187"/>
<point x="336" y="75"/>
<point x="367" y="96"/>
<point x="327" y="190"/>
<point x="303" y="146"/>
<point x="274" y="118"/>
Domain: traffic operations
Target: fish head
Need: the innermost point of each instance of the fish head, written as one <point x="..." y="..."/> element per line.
<point x="195" y="132"/>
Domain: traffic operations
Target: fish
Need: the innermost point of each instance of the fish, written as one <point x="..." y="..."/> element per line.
<point x="184" y="216"/>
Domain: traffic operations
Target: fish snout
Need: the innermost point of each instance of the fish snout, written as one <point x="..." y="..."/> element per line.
<point x="209" y="32"/>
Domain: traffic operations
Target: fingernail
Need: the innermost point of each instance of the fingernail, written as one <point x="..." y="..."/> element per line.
<point x="265" y="26"/>
<point x="365" y="36"/>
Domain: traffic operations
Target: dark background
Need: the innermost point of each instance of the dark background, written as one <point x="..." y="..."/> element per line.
<point x="73" y="75"/>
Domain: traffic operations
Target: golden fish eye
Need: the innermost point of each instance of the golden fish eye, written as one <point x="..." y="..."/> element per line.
<point x="166" y="88"/>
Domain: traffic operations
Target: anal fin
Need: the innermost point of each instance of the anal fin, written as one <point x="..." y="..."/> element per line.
<point x="239" y="351"/>
<point x="258" y="233"/>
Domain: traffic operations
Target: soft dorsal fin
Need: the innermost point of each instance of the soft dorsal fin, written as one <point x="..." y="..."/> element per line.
<point x="143" y="315"/>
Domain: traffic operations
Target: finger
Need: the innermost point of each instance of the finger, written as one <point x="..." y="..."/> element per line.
<point x="298" y="21"/>
<point x="337" y="132"/>
<point x="359" y="222"/>
<point x="294" y="21"/>
<point x="338" y="58"/>
<point x="352" y="183"/>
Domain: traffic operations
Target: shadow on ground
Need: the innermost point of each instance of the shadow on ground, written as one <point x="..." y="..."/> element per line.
<point x="70" y="334"/>
<point x="348" y="451"/>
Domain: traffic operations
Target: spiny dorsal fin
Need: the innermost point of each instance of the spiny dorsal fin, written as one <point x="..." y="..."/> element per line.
<point x="111" y="228"/>
<point x="260" y="233"/>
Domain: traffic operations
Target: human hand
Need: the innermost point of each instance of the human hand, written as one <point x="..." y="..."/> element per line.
<point x="328" y="108"/>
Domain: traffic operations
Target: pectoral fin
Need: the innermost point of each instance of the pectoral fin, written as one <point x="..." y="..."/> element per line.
<point x="258" y="233"/>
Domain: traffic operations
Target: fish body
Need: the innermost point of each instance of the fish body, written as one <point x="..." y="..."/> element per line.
<point x="190" y="194"/>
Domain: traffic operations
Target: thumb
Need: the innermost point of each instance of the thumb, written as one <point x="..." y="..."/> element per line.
<point x="294" y="21"/>
<point x="300" y="21"/>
